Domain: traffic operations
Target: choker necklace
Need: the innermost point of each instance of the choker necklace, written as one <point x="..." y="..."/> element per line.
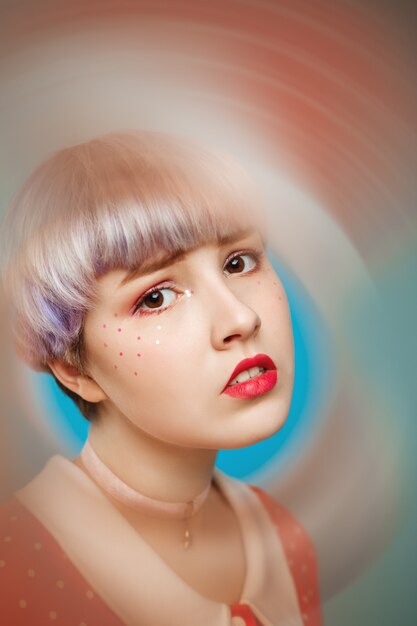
<point x="119" y="490"/>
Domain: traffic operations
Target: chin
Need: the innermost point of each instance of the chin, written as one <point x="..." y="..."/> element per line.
<point x="255" y="429"/>
<point x="271" y="428"/>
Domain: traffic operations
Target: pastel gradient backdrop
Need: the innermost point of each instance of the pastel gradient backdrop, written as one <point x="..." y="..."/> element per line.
<point x="318" y="100"/>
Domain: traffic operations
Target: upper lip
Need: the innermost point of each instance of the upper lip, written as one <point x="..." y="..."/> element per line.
<point x="260" y="360"/>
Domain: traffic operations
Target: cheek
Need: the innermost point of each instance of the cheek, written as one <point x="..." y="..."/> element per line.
<point x="151" y="353"/>
<point x="275" y="310"/>
<point x="279" y="289"/>
<point x="113" y="349"/>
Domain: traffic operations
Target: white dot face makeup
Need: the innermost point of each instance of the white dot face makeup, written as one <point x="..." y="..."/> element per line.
<point x="195" y="321"/>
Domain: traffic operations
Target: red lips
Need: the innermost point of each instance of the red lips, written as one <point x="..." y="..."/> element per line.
<point x="260" y="360"/>
<point x="256" y="386"/>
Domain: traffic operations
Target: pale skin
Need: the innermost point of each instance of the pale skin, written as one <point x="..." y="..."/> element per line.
<point x="158" y="367"/>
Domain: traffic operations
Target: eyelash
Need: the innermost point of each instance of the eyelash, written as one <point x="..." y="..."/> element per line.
<point x="256" y="255"/>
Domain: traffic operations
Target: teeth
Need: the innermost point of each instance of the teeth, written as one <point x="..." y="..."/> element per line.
<point x="246" y="375"/>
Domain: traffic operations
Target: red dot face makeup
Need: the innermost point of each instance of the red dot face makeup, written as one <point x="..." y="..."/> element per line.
<point x="196" y="320"/>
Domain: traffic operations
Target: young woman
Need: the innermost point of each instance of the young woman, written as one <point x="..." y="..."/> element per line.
<point x="136" y="270"/>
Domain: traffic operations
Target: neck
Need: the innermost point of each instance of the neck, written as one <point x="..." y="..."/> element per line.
<point x="153" y="467"/>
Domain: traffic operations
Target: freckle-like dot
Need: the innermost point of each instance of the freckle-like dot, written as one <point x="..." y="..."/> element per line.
<point x="138" y="354"/>
<point x="135" y="373"/>
<point x="258" y="282"/>
<point x="115" y="366"/>
<point x="138" y="338"/>
<point x="115" y="314"/>
<point x="119" y="330"/>
<point x="105" y="345"/>
<point x="104" y="325"/>
<point x="23" y="604"/>
<point x="120" y="353"/>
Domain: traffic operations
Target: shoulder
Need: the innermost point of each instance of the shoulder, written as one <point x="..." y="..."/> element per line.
<point x="295" y="538"/>
<point x="300" y="554"/>
<point x="38" y="583"/>
<point x="18" y="527"/>
<point x="23" y="533"/>
<point x="28" y="572"/>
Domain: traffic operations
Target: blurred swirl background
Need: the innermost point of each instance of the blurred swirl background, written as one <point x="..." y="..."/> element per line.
<point x="318" y="99"/>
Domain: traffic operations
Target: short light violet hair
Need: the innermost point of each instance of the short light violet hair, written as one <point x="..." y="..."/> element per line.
<point x="109" y="203"/>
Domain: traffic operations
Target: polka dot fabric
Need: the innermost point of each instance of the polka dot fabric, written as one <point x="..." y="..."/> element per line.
<point x="39" y="585"/>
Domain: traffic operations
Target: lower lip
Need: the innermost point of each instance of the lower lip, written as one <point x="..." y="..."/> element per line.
<point x="254" y="386"/>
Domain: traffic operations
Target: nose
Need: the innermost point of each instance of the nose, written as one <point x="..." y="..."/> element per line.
<point x="233" y="320"/>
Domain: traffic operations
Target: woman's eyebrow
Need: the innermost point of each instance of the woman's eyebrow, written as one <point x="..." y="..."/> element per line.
<point x="149" y="267"/>
<point x="153" y="265"/>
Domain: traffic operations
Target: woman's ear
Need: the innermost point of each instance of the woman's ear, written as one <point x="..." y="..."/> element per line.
<point x="81" y="384"/>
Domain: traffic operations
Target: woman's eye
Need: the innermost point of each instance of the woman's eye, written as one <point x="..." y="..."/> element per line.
<point x="241" y="263"/>
<point x="157" y="299"/>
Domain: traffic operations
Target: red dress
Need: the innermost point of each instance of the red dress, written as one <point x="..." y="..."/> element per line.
<point x="40" y="585"/>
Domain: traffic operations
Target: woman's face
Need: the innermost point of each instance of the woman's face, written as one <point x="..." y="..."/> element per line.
<point x="163" y="345"/>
